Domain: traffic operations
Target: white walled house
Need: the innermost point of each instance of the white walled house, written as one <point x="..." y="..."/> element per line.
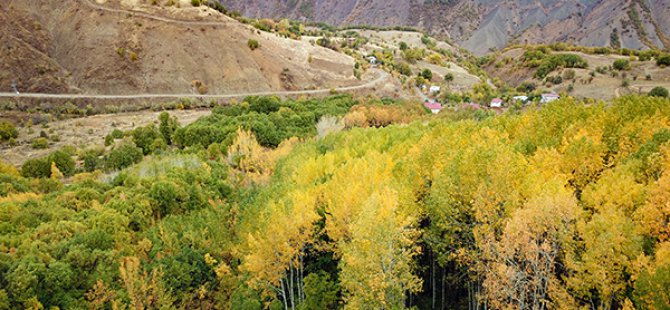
<point x="546" y="98"/>
<point x="496" y="103"/>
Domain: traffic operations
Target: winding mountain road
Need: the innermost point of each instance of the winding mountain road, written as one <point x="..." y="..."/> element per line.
<point x="154" y="17"/>
<point x="382" y="75"/>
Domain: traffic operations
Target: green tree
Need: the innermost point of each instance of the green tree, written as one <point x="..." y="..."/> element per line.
<point x="426" y="74"/>
<point x="36" y="168"/>
<point x="621" y="64"/>
<point x="63" y="161"/>
<point x="449" y="77"/>
<point x="167" y="126"/>
<point x="144" y="137"/>
<point x="663" y="60"/>
<point x="321" y="292"/>
<point x="659" y="91"/>
<point x="123" y="156"/>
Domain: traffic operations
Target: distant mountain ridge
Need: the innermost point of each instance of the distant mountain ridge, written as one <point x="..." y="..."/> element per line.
<point x="481" y="25"/>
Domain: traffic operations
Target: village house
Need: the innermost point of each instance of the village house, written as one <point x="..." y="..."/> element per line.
<point x="546" y="98"/>
<point x="372" y="60"/>
<point x="472" y="105"/>
<point x="496" y="103"/>
<point x="434" y="107"/>
<point x="434" y="89"/>
<point x="520" y="98"/>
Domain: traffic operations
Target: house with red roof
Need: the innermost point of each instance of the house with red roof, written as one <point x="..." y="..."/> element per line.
<point x="433" y="106"/>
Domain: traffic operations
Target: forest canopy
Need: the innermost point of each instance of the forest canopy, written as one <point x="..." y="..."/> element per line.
<point x="564" y="206"/>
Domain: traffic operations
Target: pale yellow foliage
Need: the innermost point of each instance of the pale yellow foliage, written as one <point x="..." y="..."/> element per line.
<point x="8" y="169"/>
<point x="252" y="160"/>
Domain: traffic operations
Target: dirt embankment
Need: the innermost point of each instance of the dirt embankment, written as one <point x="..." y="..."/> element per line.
<point x="60" y="46"/>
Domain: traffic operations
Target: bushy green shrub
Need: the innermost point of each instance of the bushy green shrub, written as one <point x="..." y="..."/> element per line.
<point x="427" y="74"/>
<point x="117" y="134"/>
<point x="555" y="61"/>
<point x="621" y="64"/>
<point x="144" y="137"/>
<point x="253" y="44"/>
<point x="41" y="167"/>
<point x="8" y="131"/>
<point x="40" y="143"/>
<point x="270" y="119"/>
<point x="123" y="156"/>
<point x="663" y="60"/>
<point x="63" y="161"/>
<point x="659" y="91"/>
<point x="36" y="168"/>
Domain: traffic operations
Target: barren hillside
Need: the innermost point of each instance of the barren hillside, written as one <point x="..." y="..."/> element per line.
<point x="480" y="25"/>
<point x="126" y="47"/>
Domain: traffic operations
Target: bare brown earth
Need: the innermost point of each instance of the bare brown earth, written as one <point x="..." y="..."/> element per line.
<point x="126" y="47"/>
<point x="85" y="132"/>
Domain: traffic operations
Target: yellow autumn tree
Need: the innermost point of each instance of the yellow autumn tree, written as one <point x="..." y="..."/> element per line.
<point x="276" y="251"/>
<point x="252" y="160"/>
<point x="376" y="266"/>
<point x="523" y="269"/>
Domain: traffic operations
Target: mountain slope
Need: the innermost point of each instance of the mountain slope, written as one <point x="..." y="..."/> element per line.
<point x="480" y="25"/>
<point x="122" y="47"/>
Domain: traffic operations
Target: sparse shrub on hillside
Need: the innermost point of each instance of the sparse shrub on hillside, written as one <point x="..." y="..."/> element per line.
<point x="526" y="87"/>
<point x="435" y="59"/>
<point x="426" y="74"/>
<point x="568" y="74"/>
<point x="195" y="2"/>
<point x="449" y="77"/>
<point x="621" y="64"/>
<point x="8" y="131"/>
<point x="663" y="60"/>
<point x="414" y="54"/>
<point x="40" y="143"/>
<point x="403" y="68"/>
<point x="659" y="92"/>
<point x="555" y="79"/>
<point x="648" y="77"/>
<point x="200" y="87"/>
<point x="121" y="52"/>
<point x="253" y="44"/>
<point x="403" y="46"/>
